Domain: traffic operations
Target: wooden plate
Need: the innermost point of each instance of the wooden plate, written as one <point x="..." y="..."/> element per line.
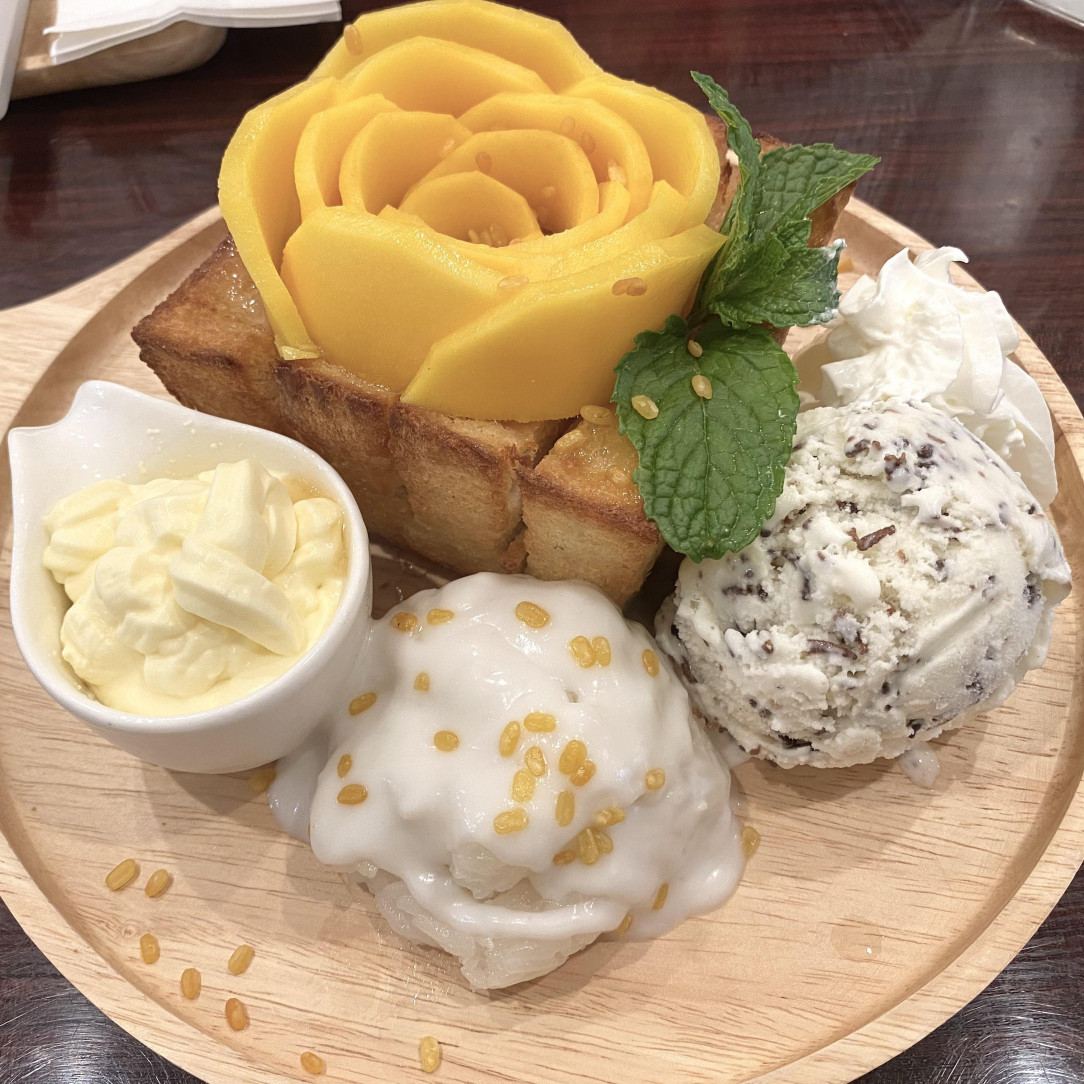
<point x="872" y="911"/>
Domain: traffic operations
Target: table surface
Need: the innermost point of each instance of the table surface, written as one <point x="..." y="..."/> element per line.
<point x="977" y="111"/>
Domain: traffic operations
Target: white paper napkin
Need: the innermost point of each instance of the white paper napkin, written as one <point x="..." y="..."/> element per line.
<point x="84" y="27"/>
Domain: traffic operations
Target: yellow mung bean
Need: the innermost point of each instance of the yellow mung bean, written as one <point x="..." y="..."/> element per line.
<point x="750" y="841"/>
<point x="539" y="722"/>
<point x="157" y="883"/>
<point x="122" y="875"/>
<point x="512" y="820"/>
<point x="236" y="1014"/>
<point x="240" y="959"/>
<point x="702" y="386"/>
<point x="522" y="786"/>
<point x="429" y="1054"/>
<point x="353" y="794"/>
<point x="447" y="741"/>
<point x="149" y="948"/>
<point x="535" y="760"/>
<point x="404" y="622"/>
<point x="572" y="757"/>
<point x="581" y="650"/>
<point x="509" y="739"/>
<point x="191" y="983"/>
<point x="583" y="774"/>
<point x="352" y="40"/>
<point x="312" y="1063"/>
<point x="362" y="703"/>
<point x="530" y="613"/>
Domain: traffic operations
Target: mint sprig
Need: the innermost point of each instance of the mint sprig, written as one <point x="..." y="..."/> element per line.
<point x="711" y="468"/>
<point x="753" y="276"/>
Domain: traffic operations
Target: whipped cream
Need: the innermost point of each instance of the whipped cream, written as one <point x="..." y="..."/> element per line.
<point x="514" y="781"/>
<point x="189" y="593"/>
<point x="916" y="335"/>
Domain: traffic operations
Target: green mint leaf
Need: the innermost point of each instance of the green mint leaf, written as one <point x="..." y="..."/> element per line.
<point x="710" y="469"/>
<point x="796" y="180"/>
<point x="739" y="221"/>
<point x="800" y="293"/>
<point x="763" y="273"/>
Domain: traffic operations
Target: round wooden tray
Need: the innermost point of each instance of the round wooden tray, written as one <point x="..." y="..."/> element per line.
<point x="872" y="911"/>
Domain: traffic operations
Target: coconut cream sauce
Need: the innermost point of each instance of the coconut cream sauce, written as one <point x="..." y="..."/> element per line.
<point x="431" y="817"/>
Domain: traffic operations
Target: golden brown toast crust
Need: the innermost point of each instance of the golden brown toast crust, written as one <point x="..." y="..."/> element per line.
<point x="469" y="495"/>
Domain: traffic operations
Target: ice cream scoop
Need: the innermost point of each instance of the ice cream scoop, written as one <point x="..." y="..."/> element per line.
<point x="914" y="334"/>
<point x="905" y="583"/>
<point x="516" y="774"/>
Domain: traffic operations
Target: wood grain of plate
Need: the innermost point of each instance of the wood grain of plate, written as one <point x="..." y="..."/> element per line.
<point x="871" y="913"/>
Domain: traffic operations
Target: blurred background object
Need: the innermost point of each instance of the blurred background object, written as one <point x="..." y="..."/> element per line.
<point x="1073" y="10"/>
<point x="48" y="46"/>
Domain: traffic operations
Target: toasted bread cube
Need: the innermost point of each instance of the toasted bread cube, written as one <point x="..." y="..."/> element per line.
<point x="461" y="478"/>
<point x="345" y="419"/>
<point x="210" y="343"/>
<point x="585" y="517"/>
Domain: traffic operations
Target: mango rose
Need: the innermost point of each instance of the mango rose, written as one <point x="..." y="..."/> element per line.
<point x="459" y="205"/>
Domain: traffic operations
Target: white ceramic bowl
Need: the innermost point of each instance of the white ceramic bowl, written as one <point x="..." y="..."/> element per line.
<point x="114" y="432"/>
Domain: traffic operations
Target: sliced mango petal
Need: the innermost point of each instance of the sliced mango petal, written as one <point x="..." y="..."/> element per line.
<point x="613" y="147"/>
<point x="376" y="294"/>
<point x="391" y="153"/>
<point x="258" y="199"/>
<point x="472" y="207"/>
<point x="321" y="147"/>
<point x="519" y="36"/>
<point x="677" y="136"/>
<point x="552" y="173"/>
<point x="434" y="76"/>
<point x="553" y="347"/>
<point x="613" y="210"/>
<point x="502" y="260"/>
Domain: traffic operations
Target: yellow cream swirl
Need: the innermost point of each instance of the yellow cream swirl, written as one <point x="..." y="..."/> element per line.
<point x="459" y="205"/>
<point x="187" y="594"/>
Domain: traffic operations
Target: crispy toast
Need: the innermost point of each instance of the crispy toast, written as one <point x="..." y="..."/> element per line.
<point x="553" y="498"/>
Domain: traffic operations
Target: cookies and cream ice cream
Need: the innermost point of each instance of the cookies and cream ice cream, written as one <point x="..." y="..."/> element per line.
<point x="905" y="583"/>
<point x="517" y="774"/>
<point x="914" y="334"/>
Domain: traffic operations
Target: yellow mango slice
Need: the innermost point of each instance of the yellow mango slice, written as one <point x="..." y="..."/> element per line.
<point x="433" y="76"/>
<point x="677" y="137"/>
<point x="613" y="210"/>
<point x="472" y="207"/>
<point x="390" y="154"/>
<point x="322" y="144"/>
<point x="552" y="348"/>
<point x="612" y="145"/>
<point x="376" y="294"/>
<point x="502" y="260"/>
<point x="519" y="36"/>
<point x="259" y="202"/>
<point x="552" y="173"/>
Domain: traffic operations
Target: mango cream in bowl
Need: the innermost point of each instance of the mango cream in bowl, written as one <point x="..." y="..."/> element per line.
<point x="194" y="589"/>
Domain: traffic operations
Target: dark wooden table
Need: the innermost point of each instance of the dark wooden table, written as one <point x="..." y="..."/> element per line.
<point x="977" y="110"/>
